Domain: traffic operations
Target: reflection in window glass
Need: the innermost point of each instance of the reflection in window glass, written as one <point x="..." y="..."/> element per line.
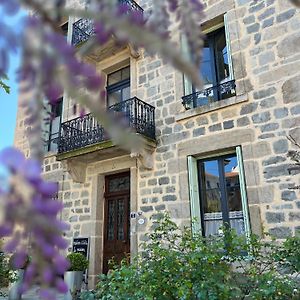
<point x="125" y="73"/>
<point x="206" y="69"/>
<point x="220" y="195"/>
<point x="221" y="57"/>
<point x="114" y="98"/>
<point x="118" y="86"/>
<point x="51" y="144"/>
<point x="211" y="197"/>
<point x="214" y="69"/>
<point x="114" y="78"/>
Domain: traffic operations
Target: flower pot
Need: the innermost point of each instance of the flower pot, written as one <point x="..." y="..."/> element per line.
<point x="13" y="293"/>
<point x="73" y="280"/>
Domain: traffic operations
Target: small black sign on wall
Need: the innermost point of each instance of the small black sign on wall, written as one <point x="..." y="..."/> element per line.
<point x="81" y="245"/>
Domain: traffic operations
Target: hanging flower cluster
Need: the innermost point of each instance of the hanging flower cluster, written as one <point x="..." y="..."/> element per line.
<point x="30" y="225"/>
<point x="50" y="67"/>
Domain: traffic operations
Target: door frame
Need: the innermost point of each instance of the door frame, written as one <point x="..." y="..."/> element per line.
<point x="107" y="196"/>
<point x="94" y="228"/>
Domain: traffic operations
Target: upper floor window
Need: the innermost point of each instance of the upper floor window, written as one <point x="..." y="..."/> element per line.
<point x="52" y="132"/>
<point x="215" y="70"/>
<point x="118" y="86"/>
<point x="64" y="29"/>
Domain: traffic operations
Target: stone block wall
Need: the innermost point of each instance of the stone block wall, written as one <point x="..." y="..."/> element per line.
<point x="264" y="38"/>
<point x="265" y="44"/>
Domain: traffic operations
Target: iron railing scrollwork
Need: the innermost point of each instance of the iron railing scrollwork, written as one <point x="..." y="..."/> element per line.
<point x="84" y="131"/>
<point x="209" y="95"/>
<point x="83" y="29"/>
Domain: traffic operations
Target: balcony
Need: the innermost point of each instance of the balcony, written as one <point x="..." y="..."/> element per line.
<point x="84" y="28"/>
<point x="82" y="132"/>
<point x="212" y="94"/>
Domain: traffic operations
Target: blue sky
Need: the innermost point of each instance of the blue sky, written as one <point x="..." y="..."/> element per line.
<point x="9" y="106"/>
<point x="9" y="102"/>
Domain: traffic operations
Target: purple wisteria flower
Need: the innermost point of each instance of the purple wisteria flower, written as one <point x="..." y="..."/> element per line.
<point x="30" y="224"/>
<point x="51" y="67"/>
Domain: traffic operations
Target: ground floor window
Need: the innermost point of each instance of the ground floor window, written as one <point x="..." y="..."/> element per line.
<point x="218" y="194"/>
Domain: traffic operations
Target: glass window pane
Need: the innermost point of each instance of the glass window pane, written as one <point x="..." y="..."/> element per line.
<point x="211" y="197"/>
<point x="126" y="93"/>
<point x="206" y="64"/>
<point x="206" y="73"/>
<point x="121" y="219"/>
<point x="113" y="98"/>
<point x="119" y="184"/>
<point x="56" y="109"/>
<point x="126" y="73"/>
<point x="114" y="77"/>
<point x="213" y="206"/>
<point x="111" y="220"/>
<point x="234" y="195"/>
<point x="221" y="56"/>
<point x="55" y="124"/>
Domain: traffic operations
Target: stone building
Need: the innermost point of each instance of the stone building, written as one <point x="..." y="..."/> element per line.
<point x="218" y="154"/>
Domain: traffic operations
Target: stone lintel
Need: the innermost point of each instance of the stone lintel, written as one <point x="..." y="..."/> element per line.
<point x="216" y="142"/>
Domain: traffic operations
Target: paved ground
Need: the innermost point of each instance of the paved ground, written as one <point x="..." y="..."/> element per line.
<point x="31" y="295"/>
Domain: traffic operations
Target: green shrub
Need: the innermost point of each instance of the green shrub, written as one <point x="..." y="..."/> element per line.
<point x="178" y="265"/>
<point x="4" y="271"/>
<point x="78" y="262"/>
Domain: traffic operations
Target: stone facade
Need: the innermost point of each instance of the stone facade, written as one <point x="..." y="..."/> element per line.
<point x="265" y="43"/>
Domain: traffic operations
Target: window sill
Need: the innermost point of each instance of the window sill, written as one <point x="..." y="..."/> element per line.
<point x="49" y="154"/>
<point x="211" y="107"/>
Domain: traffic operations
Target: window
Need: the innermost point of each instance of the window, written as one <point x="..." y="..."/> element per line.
<point x="217" y="193"/>
<point x="64" y="29"/>
<point x="118" y="86"/>
<point x="215" y="70"/>
<point x="54" y="127"/>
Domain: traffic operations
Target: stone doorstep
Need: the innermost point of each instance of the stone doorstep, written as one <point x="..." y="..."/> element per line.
<point x="32" y="295"/>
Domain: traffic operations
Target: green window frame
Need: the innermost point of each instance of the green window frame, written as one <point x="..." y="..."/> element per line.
<point x="194" y="191"/>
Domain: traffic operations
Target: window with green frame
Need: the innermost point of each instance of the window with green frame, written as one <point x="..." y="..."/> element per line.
<point x="215" y="70"/>
<point x="218" y="194"/>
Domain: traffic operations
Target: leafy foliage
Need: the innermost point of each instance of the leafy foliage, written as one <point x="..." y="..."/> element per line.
<point x="3" y="85"/>
<point x="177" y="264"/>
<point x="4" y="271"/>
<point x="7" y="274"/>
<point x="77" y="262"/>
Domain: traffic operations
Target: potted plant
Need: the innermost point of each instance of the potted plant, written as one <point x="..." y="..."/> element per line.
<point x="74" y="276"/>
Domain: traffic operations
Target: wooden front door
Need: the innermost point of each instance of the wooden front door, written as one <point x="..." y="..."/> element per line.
<point x="116" y="219"/>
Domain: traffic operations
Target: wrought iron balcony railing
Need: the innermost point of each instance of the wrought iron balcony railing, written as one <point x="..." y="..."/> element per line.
<point x="209" y="95"/>
<point x="86" y="131"/>
<point x="84" y="28"/>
